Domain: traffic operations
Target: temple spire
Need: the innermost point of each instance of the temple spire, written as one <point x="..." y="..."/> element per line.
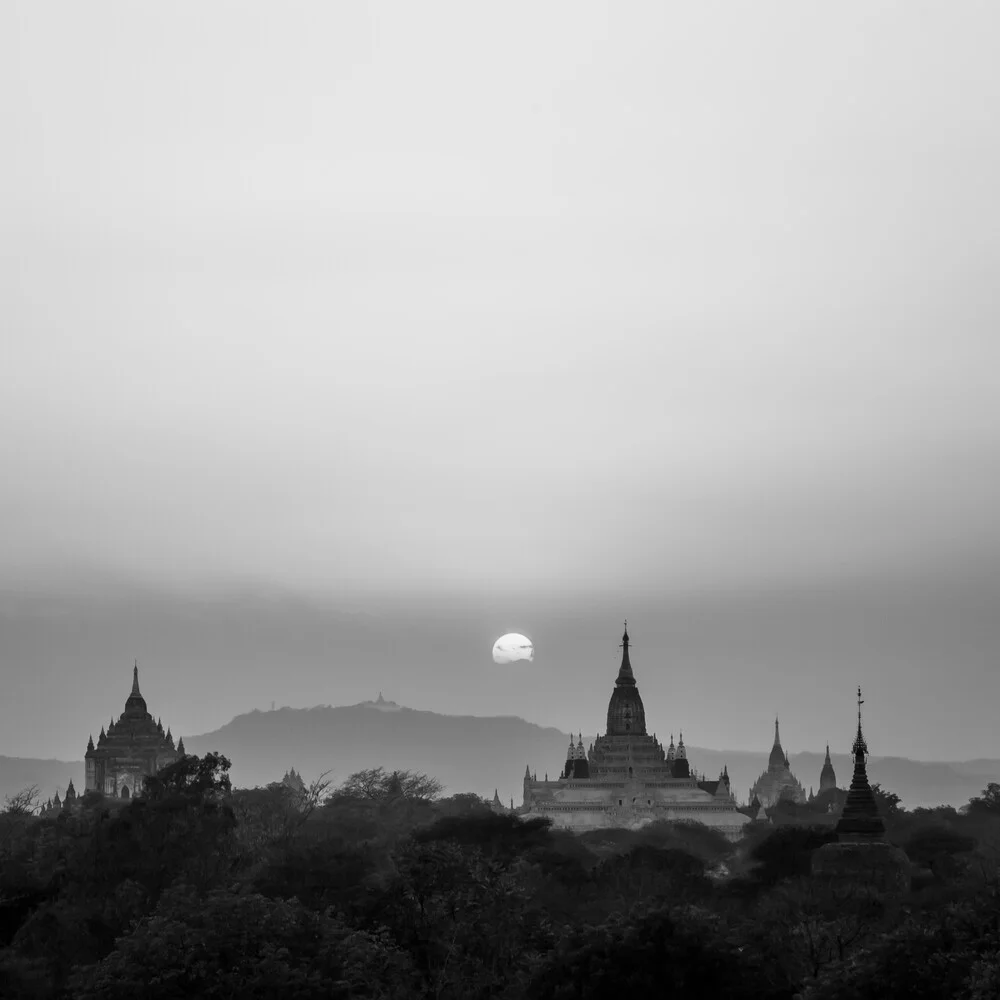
<point x="860" y="817"/>
<point x="625" y="675"/>
<point x="135" y="678"/>
<point x="860" y="746"/>
<point x="777" y="738"/>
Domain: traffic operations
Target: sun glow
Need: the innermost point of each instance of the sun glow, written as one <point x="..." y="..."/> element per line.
<point x="511" y="647"/>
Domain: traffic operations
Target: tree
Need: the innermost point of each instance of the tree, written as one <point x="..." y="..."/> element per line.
<point x="676" y="952"/>
<point x="463" y="918"/>
<point x="18" y="811"/>
<point x="228" y="944"/>
<point x="191" y="776"/>
<point x="22" y="803"/>
<point x="380" y="785"/>
<point x="937" y="846"/>
<point x="463" y="804"/>
<point x="946" y="951"/>
<point x="989" y="802"/>
<point x="887" y="802"/>
<point x="810" y="923"/>
<point x="787" y="852"/>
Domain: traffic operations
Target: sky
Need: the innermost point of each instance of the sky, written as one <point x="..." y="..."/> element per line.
<point x="338" y="340"/>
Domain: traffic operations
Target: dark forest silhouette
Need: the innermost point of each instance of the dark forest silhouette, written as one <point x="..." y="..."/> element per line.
<point x="381" y="887"/>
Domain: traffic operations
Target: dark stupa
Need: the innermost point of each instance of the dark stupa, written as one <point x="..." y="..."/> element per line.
<point x="861" y="850"/>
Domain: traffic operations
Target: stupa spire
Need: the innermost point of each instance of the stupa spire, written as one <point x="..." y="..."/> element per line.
<point x="625" y="675"/>
<point x="776" y="759"/>
<point x="135" y="679"/>
<point x="860" y="746"/>
<point x="860" y="818"/>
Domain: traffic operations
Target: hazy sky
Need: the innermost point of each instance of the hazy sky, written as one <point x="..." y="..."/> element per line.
<point x="685" y="312"/>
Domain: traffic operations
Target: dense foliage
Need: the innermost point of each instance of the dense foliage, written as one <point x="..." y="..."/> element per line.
<point x="381" y="888"/>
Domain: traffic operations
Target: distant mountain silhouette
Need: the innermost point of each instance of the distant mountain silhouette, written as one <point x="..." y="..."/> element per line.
<point x="473" y="754"/>
<point x="478" y="754"/>
<point x="50" y="776"/>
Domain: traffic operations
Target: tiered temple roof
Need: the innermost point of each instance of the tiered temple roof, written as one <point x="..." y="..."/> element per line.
<point x="777" y="782"/>
<point x="134" y="744"/>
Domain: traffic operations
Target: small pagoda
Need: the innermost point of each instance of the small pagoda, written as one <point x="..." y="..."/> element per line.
<point x="861" y="851"/>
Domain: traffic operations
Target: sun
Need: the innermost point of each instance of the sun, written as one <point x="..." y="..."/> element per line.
<point x="512" y="647"/>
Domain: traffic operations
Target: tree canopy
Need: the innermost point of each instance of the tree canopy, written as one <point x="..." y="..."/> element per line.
<point x="384" y="889"/>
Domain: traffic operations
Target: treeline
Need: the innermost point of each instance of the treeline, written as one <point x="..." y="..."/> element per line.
<point x="383" y="888"/>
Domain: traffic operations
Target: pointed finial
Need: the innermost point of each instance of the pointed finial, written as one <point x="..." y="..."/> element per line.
<point x="860" y="745"/>
<point x="777" y="739"/>
<point x="135" y="677"/>
<point x="625" y="675"/>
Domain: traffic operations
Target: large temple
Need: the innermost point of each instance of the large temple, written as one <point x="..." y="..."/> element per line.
<point x="132" y="747"/>
<point x="627" y="778"/>
<point x="778" y="782"/>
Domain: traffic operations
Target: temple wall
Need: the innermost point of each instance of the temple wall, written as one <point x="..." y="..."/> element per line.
<point x="594" y="804"/>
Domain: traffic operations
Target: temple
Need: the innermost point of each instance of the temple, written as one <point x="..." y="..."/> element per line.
<point x="627" y="778"/>
<point x="778" y="782"/>
<point x="132" y="748"/>
<point x="827" y="776"/>
<point x="861" y="850"/>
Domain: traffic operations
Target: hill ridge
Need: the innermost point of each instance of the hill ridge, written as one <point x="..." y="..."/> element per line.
<point x="470" y="753"/>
